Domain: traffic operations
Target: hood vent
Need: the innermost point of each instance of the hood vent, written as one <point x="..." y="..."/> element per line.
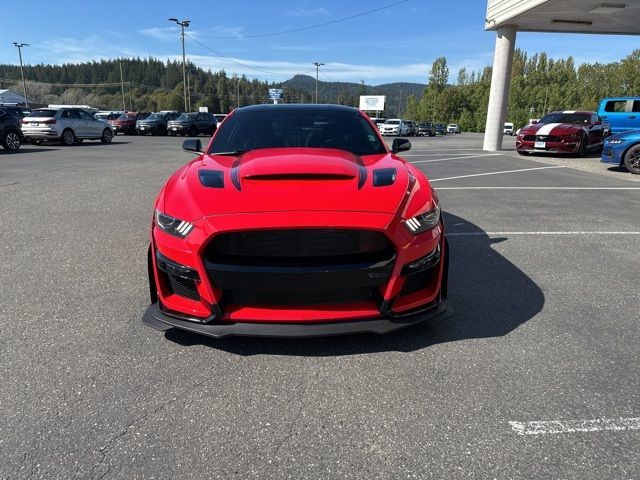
<point x="211" y="178"/>
<point x="384" y="177"/>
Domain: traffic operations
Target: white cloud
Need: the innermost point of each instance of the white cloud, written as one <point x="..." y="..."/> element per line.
<point x="307" y="12"/>
<point x="166" y="34"/>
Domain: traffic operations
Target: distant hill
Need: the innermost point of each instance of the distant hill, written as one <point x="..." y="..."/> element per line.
<point x="347" y="93"/>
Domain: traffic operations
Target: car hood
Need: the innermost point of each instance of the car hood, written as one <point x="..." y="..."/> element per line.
<point x="285" y="179"/>
<point x="547" y="129"/>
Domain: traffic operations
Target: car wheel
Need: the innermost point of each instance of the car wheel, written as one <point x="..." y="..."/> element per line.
<point x="107" y="136"/>
<point x="632" y="159"/>
<point x="582" y="148"/>
<point x="68" y="138"/>
<point x="11" y="141"/>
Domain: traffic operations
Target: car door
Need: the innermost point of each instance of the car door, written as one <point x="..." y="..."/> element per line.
<point x="93" y="127"/>
<point x="71" y="119"/>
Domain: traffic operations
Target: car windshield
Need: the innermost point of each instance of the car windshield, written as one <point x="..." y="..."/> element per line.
<point x="295" y="128"/>
<point x="582" y="118"/>
<point x="126" y="116"/>
<point x="392" y="122"/>
<point x="220" y="118"/>
<point x="155" y="116"/>
<point x="42" y="113"/>
<point x="184" y="117"/>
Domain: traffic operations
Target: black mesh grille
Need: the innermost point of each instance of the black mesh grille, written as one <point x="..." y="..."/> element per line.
<point x="299" y="243"/>
<point x="417" y="281"/>
<point x="183" y="287"/>
<point x="300" y="266"/>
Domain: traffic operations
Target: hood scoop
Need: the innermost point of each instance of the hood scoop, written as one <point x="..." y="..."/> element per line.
<point x="301" y="164"/>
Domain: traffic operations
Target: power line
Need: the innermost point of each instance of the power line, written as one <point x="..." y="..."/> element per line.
<point x="244" y="64"/>
<point x="309" y="27"/>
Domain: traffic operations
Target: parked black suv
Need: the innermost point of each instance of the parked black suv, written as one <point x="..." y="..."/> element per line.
<point x="16" y="111"/>
<point x="426" y="128"/>
<point x="441" y="128"/>
<point x="156" y="123"/>
<point x="10" y="133"/>
<point x="193" y="124"/>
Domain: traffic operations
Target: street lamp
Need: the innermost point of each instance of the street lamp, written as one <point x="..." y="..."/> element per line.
<point x="183" y="23"/>
<point x="318" y="65"/>
<point x="24" y="84"/>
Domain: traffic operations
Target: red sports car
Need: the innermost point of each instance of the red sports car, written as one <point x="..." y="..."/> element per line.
<point x="563" y="132"/>
<point x="296" y="220"/>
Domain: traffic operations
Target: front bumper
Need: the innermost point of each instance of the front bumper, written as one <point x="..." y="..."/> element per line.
<point x="550" y="147"/>
<point x="612" y="155"/>
<point x="154" y="317"/>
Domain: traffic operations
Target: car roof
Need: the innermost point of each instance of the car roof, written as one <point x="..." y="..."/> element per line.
<point x="297" y="106"/>
<point x="581" y="112"/>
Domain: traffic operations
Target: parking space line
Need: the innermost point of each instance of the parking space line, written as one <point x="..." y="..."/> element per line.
<point x="481" y="234"/>
<point x="494" y="173"/>
<point x="538" y="188"/>
<point x="456" y="158"/>
<point x="438" y="154"/>
<point x="575" y="426"/>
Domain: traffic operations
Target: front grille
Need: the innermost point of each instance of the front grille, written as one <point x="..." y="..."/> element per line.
<point x="299" y="266"/>
<point x="182" y="286"/>
<point x="299" y="246"/>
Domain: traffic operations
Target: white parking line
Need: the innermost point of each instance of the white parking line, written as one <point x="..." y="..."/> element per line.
<point x="481" y="234"/>
<point x="494" y="173"/>
<point x="574" y="426"/>
<point x="538" y="188"/>
<point x="456" y="158"/>
<point x="439" y="154"/>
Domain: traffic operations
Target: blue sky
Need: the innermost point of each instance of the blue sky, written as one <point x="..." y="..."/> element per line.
<point x="395" y="44"/>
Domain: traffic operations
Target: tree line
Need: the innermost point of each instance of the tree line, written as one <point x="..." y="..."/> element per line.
<point x="539" y="85"/>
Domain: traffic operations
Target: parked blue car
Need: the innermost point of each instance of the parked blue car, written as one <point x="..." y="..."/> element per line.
<point x="623" y="149"/>
<point x="621" y="113"/>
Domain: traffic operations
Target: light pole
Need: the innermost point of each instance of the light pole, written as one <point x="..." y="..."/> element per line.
<point x="124" y="107"/>
<point x="183" y="23"/>
<point x="318" y="65"/>
<point x="24" y="84"/>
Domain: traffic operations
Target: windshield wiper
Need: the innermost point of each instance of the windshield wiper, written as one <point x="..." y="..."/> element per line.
<point x="233" y="153"/>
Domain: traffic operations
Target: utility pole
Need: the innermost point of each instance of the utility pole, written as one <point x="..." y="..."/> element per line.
<point x="183" y="23"/>
<point x="189" y="89"/>
<point x="124" y="106"/>
<point x="318" y="65"/>
<point x="24" y="84"/>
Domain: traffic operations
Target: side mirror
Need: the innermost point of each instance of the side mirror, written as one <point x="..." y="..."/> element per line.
<point x="400" y="145"/>
<point x="192" y="145"/>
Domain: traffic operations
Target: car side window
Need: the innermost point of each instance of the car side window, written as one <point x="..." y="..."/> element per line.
<point x="615" y="106"/>
<point x="73" y="114"/>
<point x="84" y="115"/>
<point x="65" y="114"/>
<point x="636" y="106"/>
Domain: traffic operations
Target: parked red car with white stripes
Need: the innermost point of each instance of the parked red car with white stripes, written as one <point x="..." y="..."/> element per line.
<point x="564" y="132"/>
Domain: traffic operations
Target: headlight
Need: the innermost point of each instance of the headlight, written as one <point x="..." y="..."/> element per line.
<point x="172" y="225"/>
<point x="424" y="222"/>
<point x="615" y="141"/>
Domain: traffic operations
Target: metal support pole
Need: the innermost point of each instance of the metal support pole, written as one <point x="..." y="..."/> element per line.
<point x="500" y="82"/>
<point x="183" y="23"/>
<point x="24" y="84"/>
<point x="318" y="65"/>
<point x="124" y="106"/>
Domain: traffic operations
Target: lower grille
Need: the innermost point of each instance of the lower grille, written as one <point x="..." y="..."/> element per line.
<point x="300" y="266"/>
<point x="182" y="286"/>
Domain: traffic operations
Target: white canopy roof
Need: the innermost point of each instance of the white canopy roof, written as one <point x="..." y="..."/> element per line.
<point x="580" y="16"/>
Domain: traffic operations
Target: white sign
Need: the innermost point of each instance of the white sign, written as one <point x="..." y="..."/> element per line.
<point x="203" y="109"/>
<point x="372" y="103"/>
<point x="276" y="93"/>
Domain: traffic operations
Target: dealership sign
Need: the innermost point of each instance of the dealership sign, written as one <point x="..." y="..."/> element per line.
<point x="276" y="93"/>
<point x="372" y="103"/>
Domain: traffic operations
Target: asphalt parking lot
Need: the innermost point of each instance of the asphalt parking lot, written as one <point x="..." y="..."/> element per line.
<point x="536" y="376"/>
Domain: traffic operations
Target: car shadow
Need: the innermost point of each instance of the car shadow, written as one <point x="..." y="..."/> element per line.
<point x="489" y="295"/>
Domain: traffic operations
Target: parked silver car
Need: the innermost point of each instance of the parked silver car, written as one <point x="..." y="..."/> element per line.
<point x="394" y="126"/>
<point x="65" y="125"/>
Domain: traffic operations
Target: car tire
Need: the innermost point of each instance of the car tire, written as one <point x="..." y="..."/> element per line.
<point x="632" y="160"/>
<point x="583" y="147"/>
<point x="11" y="141"/>
<point x="107" y="136"/>
<point x="67" y="138"/>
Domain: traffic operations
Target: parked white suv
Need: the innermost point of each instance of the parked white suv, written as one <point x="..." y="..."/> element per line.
<point x="508" y="128"/>
<point x="394" y="126"/>
<point x="453" y="128"/>
<point x="65" y="125"/>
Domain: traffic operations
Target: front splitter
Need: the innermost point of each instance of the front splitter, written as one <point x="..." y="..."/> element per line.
<point x="155" y="318"/>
